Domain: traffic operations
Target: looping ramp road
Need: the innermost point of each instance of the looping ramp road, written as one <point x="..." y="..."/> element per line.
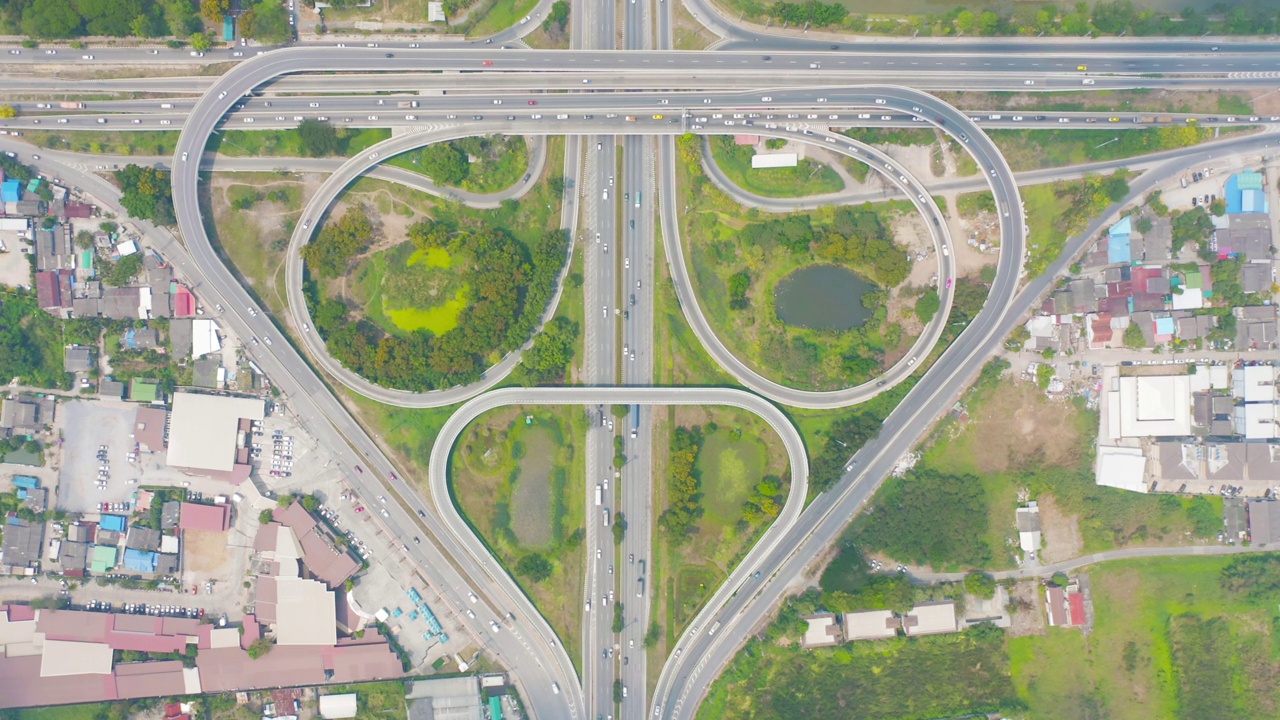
<point x="778" y="551"/>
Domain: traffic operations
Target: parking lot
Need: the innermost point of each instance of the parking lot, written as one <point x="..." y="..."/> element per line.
<point x="87" y="425"/>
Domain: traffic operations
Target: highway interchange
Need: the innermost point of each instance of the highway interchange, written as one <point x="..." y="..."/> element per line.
<point x="455" y="560"/>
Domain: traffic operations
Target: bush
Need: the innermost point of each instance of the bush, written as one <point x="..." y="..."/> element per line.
<point x="980" y="585"/>
<point x="535" y="567"/>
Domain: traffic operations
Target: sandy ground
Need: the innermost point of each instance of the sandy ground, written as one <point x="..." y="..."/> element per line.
<point x="1029" y="619"/>
<point x="205" y="551"/>
<point x="1061" y="532"/>
<point x="15" y="270"/>
<point x="1019" y="427"/>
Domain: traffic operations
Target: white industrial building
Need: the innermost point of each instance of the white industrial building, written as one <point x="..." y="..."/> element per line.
<point x="1150" y="406"/>
<point x="207" y="434"/>
<point x="774" y="160"/>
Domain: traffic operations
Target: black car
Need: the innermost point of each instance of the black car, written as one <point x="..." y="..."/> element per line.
<point x="767" y="58"/>
<point x="390" y="55"/>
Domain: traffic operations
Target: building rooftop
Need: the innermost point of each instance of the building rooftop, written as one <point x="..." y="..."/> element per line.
<point x="207" y="518"/>
<point x="143" y="391"/>
<point x="77" y="358"/>
<point x="305" y="613"/>
<point x="1264" y="521"/>
<point x="23" y="542"/>
<point x="932" y="618"/>
<point x="203" y="429"/>
<point x="148" y="428"/>
<point x="823" y="631"/>
<point x="871" y="625"/>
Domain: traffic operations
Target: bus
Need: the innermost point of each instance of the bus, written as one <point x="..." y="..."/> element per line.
<point x="637" y="198"/>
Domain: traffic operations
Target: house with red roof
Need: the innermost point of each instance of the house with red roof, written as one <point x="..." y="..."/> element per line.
<point x="205" y="518"/>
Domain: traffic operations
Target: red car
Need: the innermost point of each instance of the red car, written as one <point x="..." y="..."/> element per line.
<point x="487" y="63"/>
<point x="533" y="102"/>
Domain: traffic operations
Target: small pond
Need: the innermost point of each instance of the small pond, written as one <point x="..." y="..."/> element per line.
<point x="823" y="297"/>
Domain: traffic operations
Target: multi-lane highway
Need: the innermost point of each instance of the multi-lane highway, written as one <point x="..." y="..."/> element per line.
<point x="509" y="625"/>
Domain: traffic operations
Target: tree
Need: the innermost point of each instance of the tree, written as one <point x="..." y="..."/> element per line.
<point x="146" y="192"/>
<point x="338" y="242"/>
<point x="213" y="10"/>
<point x="1044" y="375"/>
<point x="684" y="506"/>
<point x="444" y="163"/>
<point x="200" y="42"/>
<point x="551" y="353"/>
<point x="619" y="528"/>
<point x="51" y="19"/>
<point x="318" y="138"/>
<point x="558" y="18"/>
<point x="1060" y="579"/>
<point x="953" y="508"/>
<point x="259" y="647"/>
<point x="619" y="411"/>
<point x="1017" y="339"/>
<point x="980" y="584"/>
<point x="8" y="112"/>
<point x="1218" y="207"/>
<point x="928" y="305"/>
<point x="535" y="567"/>
<point x="739" y="283"/>
<point x="1143" y="224"/>
<point x="1133" y="337"/>
<point x="265" y="517"/>
<point x="266" y="21"/>
<point x="84" y="239"/>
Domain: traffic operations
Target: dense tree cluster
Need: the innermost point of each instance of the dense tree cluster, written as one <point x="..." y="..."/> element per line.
<point x="510" y="286"/>
<point x="552" y="350"/>
<point x="319" y="138"/>
<point x="860" y="239"/>
<point x="30" y="343"/>
<point x="121" y="272"/>
<point x="1193" y="226"/>
<point x="266" y="20"/>
<point x="739" y="283"/>
<point x="444" y="163"/>
<point x="844" y="437"/>
<point x="765" y="501"/>
<point x="146" y="193"/>
<point x="60" y="19"/>
<point x="535" y="567"/>
<point x="848" y="585"/>
<point x="683" y="489"/>
<point x="329" y="254"/>
<point x="929" y="518"/>
<point x="1256" y="576"/>
<point x="928" y="305"/>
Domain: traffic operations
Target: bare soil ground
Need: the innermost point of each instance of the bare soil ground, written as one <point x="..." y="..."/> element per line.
<point x="205" y="551"/>
<point x="1020" y="422"/>
<point x="1027" y="618"/>
<point x="1061" y="532"/>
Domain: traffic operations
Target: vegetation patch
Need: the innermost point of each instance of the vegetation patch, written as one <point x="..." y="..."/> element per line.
<point x="1173" y="637"/>
<point x="1034" y="149"/>
<point x="1059" y="210"/>
<point x="405" y="325"/>
<point x="737" y="260"/>
<point x="515" y="474"/>
<point x="806" y="178"/>
<point x="927" y="677"/>
<point x="480" y="163"/>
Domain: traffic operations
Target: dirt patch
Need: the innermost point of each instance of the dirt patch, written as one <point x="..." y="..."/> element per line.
<point x="1020" y="427"/>
<point x="1027" y="618"/>
<point x="531" y="497"/>
<point x="205" y="551"/>
<point x="1061" y="532"/>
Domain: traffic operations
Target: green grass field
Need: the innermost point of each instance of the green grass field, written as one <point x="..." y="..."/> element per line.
<point x="142" y="142"/>
<point x="287" y="143"/>
<point x="254" y="239"/>
<point x="1140" y="663"/>
<point x="1044" y="207"/>
<point x="499" y="15"/>
<point x="729" y="466"/>
<point x="807" y="178"/>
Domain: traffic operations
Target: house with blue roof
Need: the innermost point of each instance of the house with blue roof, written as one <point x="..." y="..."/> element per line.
<point x="117" y="523"/>
<point x="10" y="191"/>
<point x="140" y="560"/>
<point x="1244" y="193"/>
<point x="1118" y="245"/>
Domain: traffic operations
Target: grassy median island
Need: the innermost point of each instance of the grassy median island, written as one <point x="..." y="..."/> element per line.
<point x="741" y="261"/>
<point x="249" y="217"/>
<point x="479" y="164"/>
<point x="417" y="293"/>
<point x="727" y="477"/>
<point x="806" y="178"/>
<point x="517" y="478"/>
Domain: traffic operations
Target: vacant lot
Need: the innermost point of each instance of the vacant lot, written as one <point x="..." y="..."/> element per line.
<point x="250" y="216"/>
<point x="1167" y="639"/>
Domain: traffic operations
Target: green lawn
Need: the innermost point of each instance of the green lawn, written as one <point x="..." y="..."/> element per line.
<point x="141" y="142"/>
<point x="1142" y="660"/>
<point x="402" y="290"/>
<point x="499" y="15"/>
<point x="1033" y="149"/>
<point x="729" y="465"/>
<point x="1044" y="208"/>
<point x="287" y="143"/>
<point x="807" y="178"/>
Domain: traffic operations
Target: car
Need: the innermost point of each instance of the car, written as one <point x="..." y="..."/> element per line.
<point x="472" y="597"/>
<point x="1064" y="120"/>
<point x="880" y="101"/>
<point x="1028" y="82"/>
<point x="102" y="121"/>
<point x="1088" y="81"/>
<point x="487" y="63"/>
<point x="166" y="122"/>
<point x="766" y="99"/>
<point x="1113" y="119"/>
<point x="86" y="57"/>
<point x="248" y="120"/>
<point x="1082" y="68"/>
<point x="390" y="55"/>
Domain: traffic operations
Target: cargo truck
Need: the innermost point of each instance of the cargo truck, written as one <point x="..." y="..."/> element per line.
<point x="408" y="104"/>
<point x="71" y="105"/>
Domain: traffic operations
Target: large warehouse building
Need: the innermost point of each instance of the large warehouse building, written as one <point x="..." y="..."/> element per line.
<point x="208" y="434"/>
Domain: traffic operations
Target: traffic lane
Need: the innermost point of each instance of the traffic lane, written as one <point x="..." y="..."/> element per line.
<point x="987" y="57"/>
